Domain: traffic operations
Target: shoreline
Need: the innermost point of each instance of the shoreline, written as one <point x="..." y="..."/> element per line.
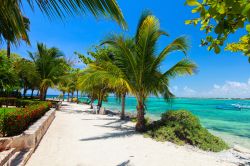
<point x="230" y="138"/>
<point x="216" y="98"/>
<point x="103" y="136"/>
<point x="222" y="135"/>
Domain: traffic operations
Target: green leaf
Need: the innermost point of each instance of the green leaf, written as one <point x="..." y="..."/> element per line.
<point x="217" y="49"/>
<point x="248" y="27"/>
<point x="209" y="38"/>
<point x="192" y="3"/>
<point x="246" y="9"/>
<point x="222" y="10"/>
<point x="197" y="9"/>
<point x="188" y="22"/>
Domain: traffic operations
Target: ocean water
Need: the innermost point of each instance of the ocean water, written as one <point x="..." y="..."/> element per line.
<point x="226" y="118"/>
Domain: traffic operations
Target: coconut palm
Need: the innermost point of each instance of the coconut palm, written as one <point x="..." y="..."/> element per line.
<point x="95" y="87"/>
<point x="106" y="75"/>
<point x="11" y="12"/>
<point x="13" y="25"/>
<point x="10" y="37"/>
<point x="99" y="80"/>
<point x="50" y="64"/>
<point x="105" y="70"/>
<point x="141" y="65"/>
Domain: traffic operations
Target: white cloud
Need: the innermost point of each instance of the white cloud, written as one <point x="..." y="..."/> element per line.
<point x="230" y="89"/>
<point x="183" y="92"/>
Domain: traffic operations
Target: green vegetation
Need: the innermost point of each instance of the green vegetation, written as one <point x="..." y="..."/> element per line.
<point x="133" y="65"/>
<point x="14" y="26"/>
<point x="45" y="69"/>
<point x="8" y="75"/>
<point x="121" y="65"/>
<point x="222" y="18"/>
<point x="182" y="127"/>
<point x="50" y="65"/>
<point x="14" y="121"/>
<point x="16" y="102"/>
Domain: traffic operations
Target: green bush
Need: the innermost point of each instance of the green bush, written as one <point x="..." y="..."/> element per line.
<point x="16" y="102"/>
<point x="182" y="127"/>
<point x="14" y="122"/>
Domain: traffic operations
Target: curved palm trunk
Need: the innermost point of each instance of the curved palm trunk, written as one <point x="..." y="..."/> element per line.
<point x="32" y="93"/>
<point x="100" y="99"/>
<point x="140" y="125"/>
<point x="63" y="96"/>
<point x="68" y="97"/>
<point x="123" y="106"/>
<point x="72" y="96"/>
<point x="43" y="93"/>
<point x="24" y="91"/>
<point x="77" y="96"/>
<point x="91" y="103"/>
<point x="8" y="49"/>
<point x="99" y="104"/>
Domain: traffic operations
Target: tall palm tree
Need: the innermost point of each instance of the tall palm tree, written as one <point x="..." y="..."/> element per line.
<point x="109" y="75"/>
<point x="13" y="25"/>
<point x="11" y="13"/>
<point x="105" y="70"/>
<point x="141" y="65"/>
<point x="94" y="86"/>
<point x="50" y="64"/>
<point x="9" y="34"/>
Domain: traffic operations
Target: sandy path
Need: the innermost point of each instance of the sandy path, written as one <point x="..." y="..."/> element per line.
<point x="80" y="139"/>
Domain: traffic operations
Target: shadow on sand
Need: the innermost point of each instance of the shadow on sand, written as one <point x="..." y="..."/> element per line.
<point x="125" y="163"/>
<point x="119" y="130"/>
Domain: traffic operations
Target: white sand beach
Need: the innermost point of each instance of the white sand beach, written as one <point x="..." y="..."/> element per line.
<point x="77" y="138"/>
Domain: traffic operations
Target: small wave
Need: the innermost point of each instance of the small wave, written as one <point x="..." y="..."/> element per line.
<point x="241" y="106"/>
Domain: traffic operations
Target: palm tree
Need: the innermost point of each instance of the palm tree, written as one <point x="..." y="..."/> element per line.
<point x="9" y="34"/>
<point x="141" y="65"/>
<point x="106" y="75"/>
<point x="95" y="87"/>
<point x="62" y="86"/>
<point x="104" y="70"/>
<point x="50" y="64"/>
<point x="11" y="13"/>
<point x="13" y="25"/>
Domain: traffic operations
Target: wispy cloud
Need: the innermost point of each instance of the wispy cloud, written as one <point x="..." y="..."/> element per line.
<point x="231" y="89"/>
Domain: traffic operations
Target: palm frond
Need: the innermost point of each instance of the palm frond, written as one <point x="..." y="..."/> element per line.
<point x="183" y="67"/>
<point x="63" y="8"/>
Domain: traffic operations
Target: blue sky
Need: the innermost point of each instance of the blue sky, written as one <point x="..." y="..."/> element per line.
<point x="223" y="75"/>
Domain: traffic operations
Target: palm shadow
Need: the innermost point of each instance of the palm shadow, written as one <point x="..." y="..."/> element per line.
<point x="125" y="163"/>
<point x="71" y="111"/>
<point x="119" y="130"/>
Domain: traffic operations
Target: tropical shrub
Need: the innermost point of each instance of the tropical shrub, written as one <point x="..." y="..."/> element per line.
<point x="182" y="127"/>
<point x="14" y="122"/>
<point x="16" y="102"/>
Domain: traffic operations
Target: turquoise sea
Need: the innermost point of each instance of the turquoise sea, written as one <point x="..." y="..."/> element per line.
<point x="226" y="118"/>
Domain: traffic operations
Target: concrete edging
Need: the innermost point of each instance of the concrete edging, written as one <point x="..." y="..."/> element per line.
<point x="30" y="138"/>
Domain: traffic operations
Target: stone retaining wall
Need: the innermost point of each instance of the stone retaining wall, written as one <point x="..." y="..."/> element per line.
<point x="31" y="137"/>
